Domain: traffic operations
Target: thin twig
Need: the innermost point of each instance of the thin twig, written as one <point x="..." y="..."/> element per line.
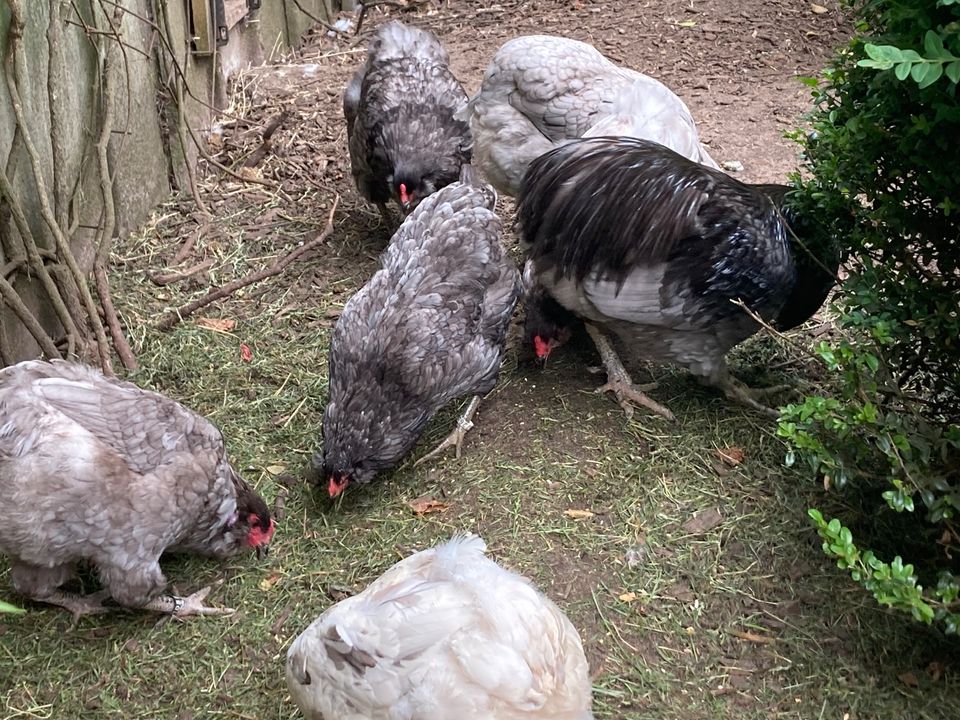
<point x="275" y="269"/>
<point x="168" y="278"/>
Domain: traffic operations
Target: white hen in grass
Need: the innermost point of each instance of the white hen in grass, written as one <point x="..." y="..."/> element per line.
<point x="445" y="634"/>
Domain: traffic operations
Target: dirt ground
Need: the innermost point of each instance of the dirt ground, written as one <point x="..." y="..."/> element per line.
<point x="697" y="584"/>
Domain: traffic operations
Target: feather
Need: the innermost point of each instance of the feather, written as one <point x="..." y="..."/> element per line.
<point x="446" y="634"/>
<point x="400" y="111"/>
<point x="96" y="469"/>
<point x="657" y="248"/>
<point x="541" y="91"/>
<point x="430" y="326"/>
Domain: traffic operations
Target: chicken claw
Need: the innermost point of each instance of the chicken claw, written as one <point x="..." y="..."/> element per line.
<point x="459" y="432"/>
<point x="78" y="605"/>
<point x="619" y="381"/>
<point x="740" y="393"/>
<point x="191" y="605"/>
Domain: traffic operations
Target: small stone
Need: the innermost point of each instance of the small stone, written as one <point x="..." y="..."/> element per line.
<point x="732" y="165"/>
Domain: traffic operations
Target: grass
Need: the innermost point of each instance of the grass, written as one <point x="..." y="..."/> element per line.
<point x="744" y="619"/>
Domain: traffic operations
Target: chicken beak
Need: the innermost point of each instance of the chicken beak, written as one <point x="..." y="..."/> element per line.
<point x="337" y="485"/>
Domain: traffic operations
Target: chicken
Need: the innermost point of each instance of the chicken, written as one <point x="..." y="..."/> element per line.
<point x="97" y="470"/>
<point x="404" y="141"/>
<point x="540" y="91"/>
<point x="642" y="243"/>
<point x="445" y="634"/>
<point x="429" y="327"/>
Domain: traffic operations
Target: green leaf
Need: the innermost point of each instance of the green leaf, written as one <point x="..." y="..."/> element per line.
<point x="933" y="46"/>
<point x="6" y="607"/>
<point x="902" y="70"/>
<point x="952" y="71"/>
<point x="931" y="75"/>
<point x="884" y="53"/>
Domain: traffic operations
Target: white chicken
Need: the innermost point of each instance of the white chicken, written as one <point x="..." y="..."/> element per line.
<point x="540" y="91"/>
<point x="445" y="634"/>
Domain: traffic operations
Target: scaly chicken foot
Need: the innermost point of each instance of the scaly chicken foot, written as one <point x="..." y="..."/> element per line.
<point x="180" y="607"/>
<point x="619" y="381"/>
<point x="740" y="393"/>
<point x="464" y="424"/>
<point x="78" y="605"/>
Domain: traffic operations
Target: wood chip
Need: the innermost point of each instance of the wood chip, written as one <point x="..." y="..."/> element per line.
<point x="703" y="521"/>
<point x="578" y="514"/>
<point x="752" y="637"/>
<point x="818" y="9"/>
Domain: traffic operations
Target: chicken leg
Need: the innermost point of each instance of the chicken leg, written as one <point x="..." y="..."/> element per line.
<point x="459" y="433"/>
<point x="740" y="393"/>
<point x="181" y="607"/>
<point x="78" y="605"/>
<point x="387" y="216"/>
<point x="619" y="381"/>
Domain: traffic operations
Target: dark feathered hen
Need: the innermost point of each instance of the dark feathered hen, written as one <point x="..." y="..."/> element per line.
<point x="429" y="327"/>
<point x="404" y="141"/>
<point x="642" y="242"/>
<point x="100" y="471"/>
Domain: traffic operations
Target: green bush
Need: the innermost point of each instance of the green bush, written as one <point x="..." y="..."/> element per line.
<point x="883" y="168"/>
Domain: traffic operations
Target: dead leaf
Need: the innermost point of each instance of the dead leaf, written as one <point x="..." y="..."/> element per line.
<point x="703" y="521"/>
<point x="591" y="471"/>
<point x="731" y="456"/>
<point x="426" y="504"/>
<point x="935" y="669"/>
<point x="578" y="514"/>
<point x="246" y="354"/>
<point x="627" y="597"/>
<point x="818" y="9"/>
<point x="276" y="469"/>
<point x="908" y="678"/>
<point x="269" y="581"/>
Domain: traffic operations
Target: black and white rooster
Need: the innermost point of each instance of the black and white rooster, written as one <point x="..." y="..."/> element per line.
<point x="643" y="243"/>
<point x="430" y="326"/>
<point x="404" y="141"/>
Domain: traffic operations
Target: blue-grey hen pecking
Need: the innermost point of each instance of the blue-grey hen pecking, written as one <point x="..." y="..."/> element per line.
<point x="430" y="326"/>
<point x="639" y="241"/>
<point x="404" y="140"/>
<point x="97" y="470"/>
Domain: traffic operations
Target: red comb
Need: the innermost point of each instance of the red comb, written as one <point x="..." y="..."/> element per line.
<point x="541" y="347"/>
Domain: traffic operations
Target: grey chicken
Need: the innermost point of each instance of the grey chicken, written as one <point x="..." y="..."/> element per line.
<point x="404" y="140"/>
<point x="540" y="91"/>
<point x="429" y="327"/>
<point x="97" y="470"/>
<point x="643" y="243"/>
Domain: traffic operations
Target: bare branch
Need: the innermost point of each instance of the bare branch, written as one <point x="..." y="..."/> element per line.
<point x="275" y="269"/>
